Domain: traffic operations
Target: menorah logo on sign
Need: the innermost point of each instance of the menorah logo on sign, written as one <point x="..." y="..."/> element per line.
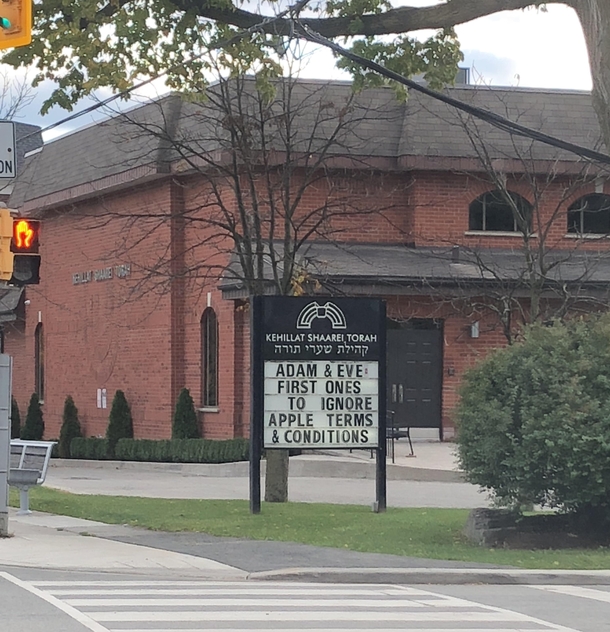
<point x="314" y="311"/>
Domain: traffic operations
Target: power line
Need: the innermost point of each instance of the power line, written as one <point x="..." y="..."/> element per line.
<point x="304" y="32"/>
<point x="486" y="115"/>
<point x="293" y="9"/>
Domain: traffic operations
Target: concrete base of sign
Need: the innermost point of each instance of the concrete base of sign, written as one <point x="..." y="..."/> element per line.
<point x="3" y="525"/>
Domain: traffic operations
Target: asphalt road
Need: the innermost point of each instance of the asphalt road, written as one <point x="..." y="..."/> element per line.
<point x="258" y="555"/>
<point x="34" y="600"/>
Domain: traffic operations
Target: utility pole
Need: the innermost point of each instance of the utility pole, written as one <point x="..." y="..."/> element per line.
<point x="5" y="438"/>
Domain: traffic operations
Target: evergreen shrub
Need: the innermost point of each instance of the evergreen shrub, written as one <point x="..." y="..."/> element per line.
<point x="90" y="448"/>
<point x="534" y="420"/>
<point x="70" y="428"/>
<point x="185" y="424"/>
<point x="15" y="420"/>
<point x="33" y="429"/>
<point x="120" y="423"/>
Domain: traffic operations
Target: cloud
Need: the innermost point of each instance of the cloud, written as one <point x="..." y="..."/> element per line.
<point x="489" y="69"/>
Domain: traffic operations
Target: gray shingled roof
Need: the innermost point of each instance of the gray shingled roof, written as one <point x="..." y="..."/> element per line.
<point x="422" y="131"/>
<point x="27" y="139"/>
<point x="9" y="301"/>
<point x="397" y="266"/>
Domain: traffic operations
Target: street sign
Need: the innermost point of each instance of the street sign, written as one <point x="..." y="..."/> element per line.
<point x="8" y="155"/>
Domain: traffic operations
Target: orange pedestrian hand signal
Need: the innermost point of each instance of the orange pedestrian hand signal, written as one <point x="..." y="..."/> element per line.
<point x="25" y="236"/>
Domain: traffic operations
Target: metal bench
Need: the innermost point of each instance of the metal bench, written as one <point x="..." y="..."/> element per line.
<point x="28" y="467"/>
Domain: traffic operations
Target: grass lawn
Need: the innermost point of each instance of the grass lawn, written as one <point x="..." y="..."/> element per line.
<point x="431" y="533"/>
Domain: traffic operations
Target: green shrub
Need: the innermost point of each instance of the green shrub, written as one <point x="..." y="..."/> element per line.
<point x="185" y="424"/>
<point x="33" y="429"/>
<point x="534" y="420"/>
<point x="15" y="420"/>
<point x="183" y="450"/>
<point x="91" y="448"/>
<point x="70" y="428"/>
<point x="120" y="423"/>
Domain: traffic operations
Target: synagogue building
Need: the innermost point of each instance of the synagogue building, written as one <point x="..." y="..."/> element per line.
<point x="159" y="223"/>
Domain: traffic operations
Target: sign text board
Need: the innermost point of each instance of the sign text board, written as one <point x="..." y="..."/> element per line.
<point x="321" y="363"/>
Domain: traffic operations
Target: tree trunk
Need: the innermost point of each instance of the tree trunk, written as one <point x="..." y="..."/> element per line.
<point x="594" y="17"/>
<point x="276" y="478"/>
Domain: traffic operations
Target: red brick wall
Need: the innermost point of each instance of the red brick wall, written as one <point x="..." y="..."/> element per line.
<point x="142" y="333"/>
<point x="112" y="334"/>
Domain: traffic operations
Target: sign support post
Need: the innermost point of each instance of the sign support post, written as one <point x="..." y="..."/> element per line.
<point x="256" y="401"/>
<point x="381" y="465"/>
<point x="5" y="438"/>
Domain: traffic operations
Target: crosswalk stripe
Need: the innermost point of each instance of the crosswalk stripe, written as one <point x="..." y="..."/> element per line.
<point x="222" y="615"/>
<point x="253" y="590"/>
<point x="309" y="629"/>
<point x="578" y="591"/>
<point x="241" y="603"/>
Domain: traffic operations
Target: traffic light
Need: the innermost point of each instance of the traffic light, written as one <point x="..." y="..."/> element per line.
<point x="6" y="236"/>
<point x="15" y="23"/>
<point x="24" y="246"/>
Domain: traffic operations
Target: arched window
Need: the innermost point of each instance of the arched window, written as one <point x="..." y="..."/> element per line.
<point x="590" y="214"/>
<point x="39" y="362"/>
<point x="209" y="358"/>
<point x="499" y="211"/>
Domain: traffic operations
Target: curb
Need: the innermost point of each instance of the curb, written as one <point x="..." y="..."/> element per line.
<point x="440" y="576"/>
<point x="314" y="468"/>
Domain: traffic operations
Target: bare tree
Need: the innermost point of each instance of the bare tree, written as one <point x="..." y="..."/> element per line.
<point x="15" y="95"/>
<point x="544" y="276"/>
<point x="261" y="173"/>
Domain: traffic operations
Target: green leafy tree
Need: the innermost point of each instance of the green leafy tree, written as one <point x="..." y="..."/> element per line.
<point x="33" y="429"/>
<point x="84" y="46"/>
<point x="120" y="423"/>
<point x="534" y="420"/>
<point x="70" y="428"/>
<point x="15" y="420"/>
<point x="185" y="424"/>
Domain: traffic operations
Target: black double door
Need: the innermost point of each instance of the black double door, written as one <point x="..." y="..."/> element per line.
<point x="414" y="373"/>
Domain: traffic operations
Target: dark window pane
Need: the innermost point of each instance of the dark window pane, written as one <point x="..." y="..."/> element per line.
<point x="493" y="212"/>
<point x="574" y="218"/>
<point x="209" y="358"/>
<point x="590" y="214"/>
<point x="475" y="221"/>
<point x="39" y="362"/>
<point x="597" y="222"/>
<point x="499" y="216"/>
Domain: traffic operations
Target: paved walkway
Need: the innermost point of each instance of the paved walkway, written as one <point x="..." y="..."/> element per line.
<point x="430" y="479"/>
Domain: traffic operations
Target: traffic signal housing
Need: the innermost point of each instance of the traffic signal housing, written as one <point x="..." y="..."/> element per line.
<point x="24" y="246"/>
<point x="6" y="238"/>
<point x="15" y="23"/>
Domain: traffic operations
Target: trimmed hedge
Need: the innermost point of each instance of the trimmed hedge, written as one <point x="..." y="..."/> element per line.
<point x="91" y="448"/>
<point x="164" y="451"/>
<point x="183" y="450"/>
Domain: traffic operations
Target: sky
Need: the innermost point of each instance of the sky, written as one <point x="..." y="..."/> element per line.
<point x="530" y="48"/>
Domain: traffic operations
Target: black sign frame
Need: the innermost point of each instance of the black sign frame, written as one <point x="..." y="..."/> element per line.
<point x="287" y="328"/>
